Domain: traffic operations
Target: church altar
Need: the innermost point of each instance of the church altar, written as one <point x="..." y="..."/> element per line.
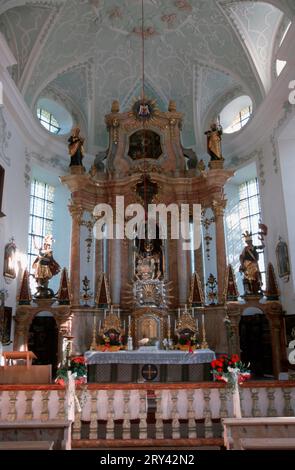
<point x="126" y="366"/>
<point x="201" y="356"/>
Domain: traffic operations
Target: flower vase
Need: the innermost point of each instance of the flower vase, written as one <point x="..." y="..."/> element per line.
<point x="236" y="402"/>
<point x="235" y="392"/>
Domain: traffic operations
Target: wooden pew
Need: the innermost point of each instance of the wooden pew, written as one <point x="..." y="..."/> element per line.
<point x="253" y="429"/>
<point x="58" y="431"/>
<point x="283" y="443"/>
<point x="26" y="445"/>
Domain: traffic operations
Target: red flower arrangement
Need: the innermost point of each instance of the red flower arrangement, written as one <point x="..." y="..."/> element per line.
<point x="77" y="366"/>
<point x="112" y="339"/>
<point x="187" y="340"/>
<point x="226" y="368"/>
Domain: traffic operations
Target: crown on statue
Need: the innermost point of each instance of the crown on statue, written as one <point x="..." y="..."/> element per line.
<point x="247" y="236"/>
<point x="48" y="240"/>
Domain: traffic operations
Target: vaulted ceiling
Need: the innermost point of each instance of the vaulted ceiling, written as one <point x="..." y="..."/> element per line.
<point x="200" y="53"/>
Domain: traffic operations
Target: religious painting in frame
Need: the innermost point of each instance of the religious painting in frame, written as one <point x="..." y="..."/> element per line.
<point x="9" y="266"/>
<point x="283" y="262"/>
<point x="5" y="324"/>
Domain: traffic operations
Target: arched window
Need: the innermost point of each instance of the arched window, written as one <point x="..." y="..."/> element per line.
<point x="236" y="114"/>
<point x="54" y="117"/>
<point x="48" y="121"/>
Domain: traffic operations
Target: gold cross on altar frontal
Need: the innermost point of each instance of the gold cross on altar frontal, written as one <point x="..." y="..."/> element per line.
<point x="149" y="372"/>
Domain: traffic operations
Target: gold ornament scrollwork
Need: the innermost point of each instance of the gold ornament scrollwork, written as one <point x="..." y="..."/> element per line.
<point x="218" y="207"/>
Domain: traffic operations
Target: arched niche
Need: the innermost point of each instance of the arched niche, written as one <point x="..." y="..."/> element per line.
<point x="255" y="342"/>
<point x="27" y="316"/>
<point x="43" y="339"/>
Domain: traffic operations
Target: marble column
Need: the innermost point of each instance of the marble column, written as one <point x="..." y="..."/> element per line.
<point x="199" y="266"/>
<point x="115" y="264"/>
<point x="233" y="332"/>
<point x="182" y="272"/>
<point x="98" y="262"/>
<point x="171" y="264"/>
<point x="218" y="209"/>
<point x="76" y="213"/>
<point x="22" y="324"/>
<point x="275" y="317"/>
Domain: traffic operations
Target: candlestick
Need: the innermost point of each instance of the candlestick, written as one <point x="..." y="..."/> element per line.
<point x="204" y="344"/>
<point x="94" y="344"/>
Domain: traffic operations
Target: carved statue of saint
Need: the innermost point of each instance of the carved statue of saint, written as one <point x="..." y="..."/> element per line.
<point x="148" y="264"/>
<point x="76" y="150"/>
<point x="249" y="266"/>
<point x="214" y="141"/>
<point x="45" y="268"/>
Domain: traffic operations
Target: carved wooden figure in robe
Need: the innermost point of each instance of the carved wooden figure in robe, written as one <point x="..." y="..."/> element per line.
<point x="76" y="150"/>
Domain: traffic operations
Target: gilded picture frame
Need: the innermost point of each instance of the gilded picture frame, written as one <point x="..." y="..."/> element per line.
<point x="9" y="265"/>
<point x="283" y="262"/>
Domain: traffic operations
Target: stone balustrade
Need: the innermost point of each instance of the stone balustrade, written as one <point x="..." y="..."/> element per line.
<point x="179" y="413"/>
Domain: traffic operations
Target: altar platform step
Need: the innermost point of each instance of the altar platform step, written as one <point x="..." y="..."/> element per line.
<point x="144" y="444"/>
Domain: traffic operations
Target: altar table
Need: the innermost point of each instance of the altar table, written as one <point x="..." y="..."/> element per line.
<point x="126" y="366"/>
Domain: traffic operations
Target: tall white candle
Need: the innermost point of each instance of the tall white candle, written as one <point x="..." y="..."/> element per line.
<point x="94" y="321"/>
<point x="99" y="327"/>
<point x="175" y="325"/>
<point x="203" y="320"/>
<point x="124" y="325"/>
<point x="169" y="324"/>
<point x="129" y="320"/>
<point x="104" y="314"/>
<point x="185" y="307"/>
<point x="197" y="324"/>
<point x="112" y="309"/>
<point x="179" y="313"/>
<point x="118" y="313"/>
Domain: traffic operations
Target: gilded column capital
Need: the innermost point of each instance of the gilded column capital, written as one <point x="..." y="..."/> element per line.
<point x="76" y="211"/>
<point x="218" y="207"/>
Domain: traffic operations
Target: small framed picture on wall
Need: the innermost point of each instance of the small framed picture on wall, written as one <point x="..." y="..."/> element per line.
<point x="283" y="263"/>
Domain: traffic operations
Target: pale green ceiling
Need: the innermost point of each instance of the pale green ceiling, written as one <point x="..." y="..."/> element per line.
<point x="88" y="52"/>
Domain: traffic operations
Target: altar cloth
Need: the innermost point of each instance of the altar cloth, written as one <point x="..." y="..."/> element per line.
<point x="200" y="356"/>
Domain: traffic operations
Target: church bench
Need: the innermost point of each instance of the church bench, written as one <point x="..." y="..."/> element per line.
<point x="264" y="428"/>
<point x="283" y="443"/>
<point x="58" y="431"/>
<point x="26" y="445"/>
